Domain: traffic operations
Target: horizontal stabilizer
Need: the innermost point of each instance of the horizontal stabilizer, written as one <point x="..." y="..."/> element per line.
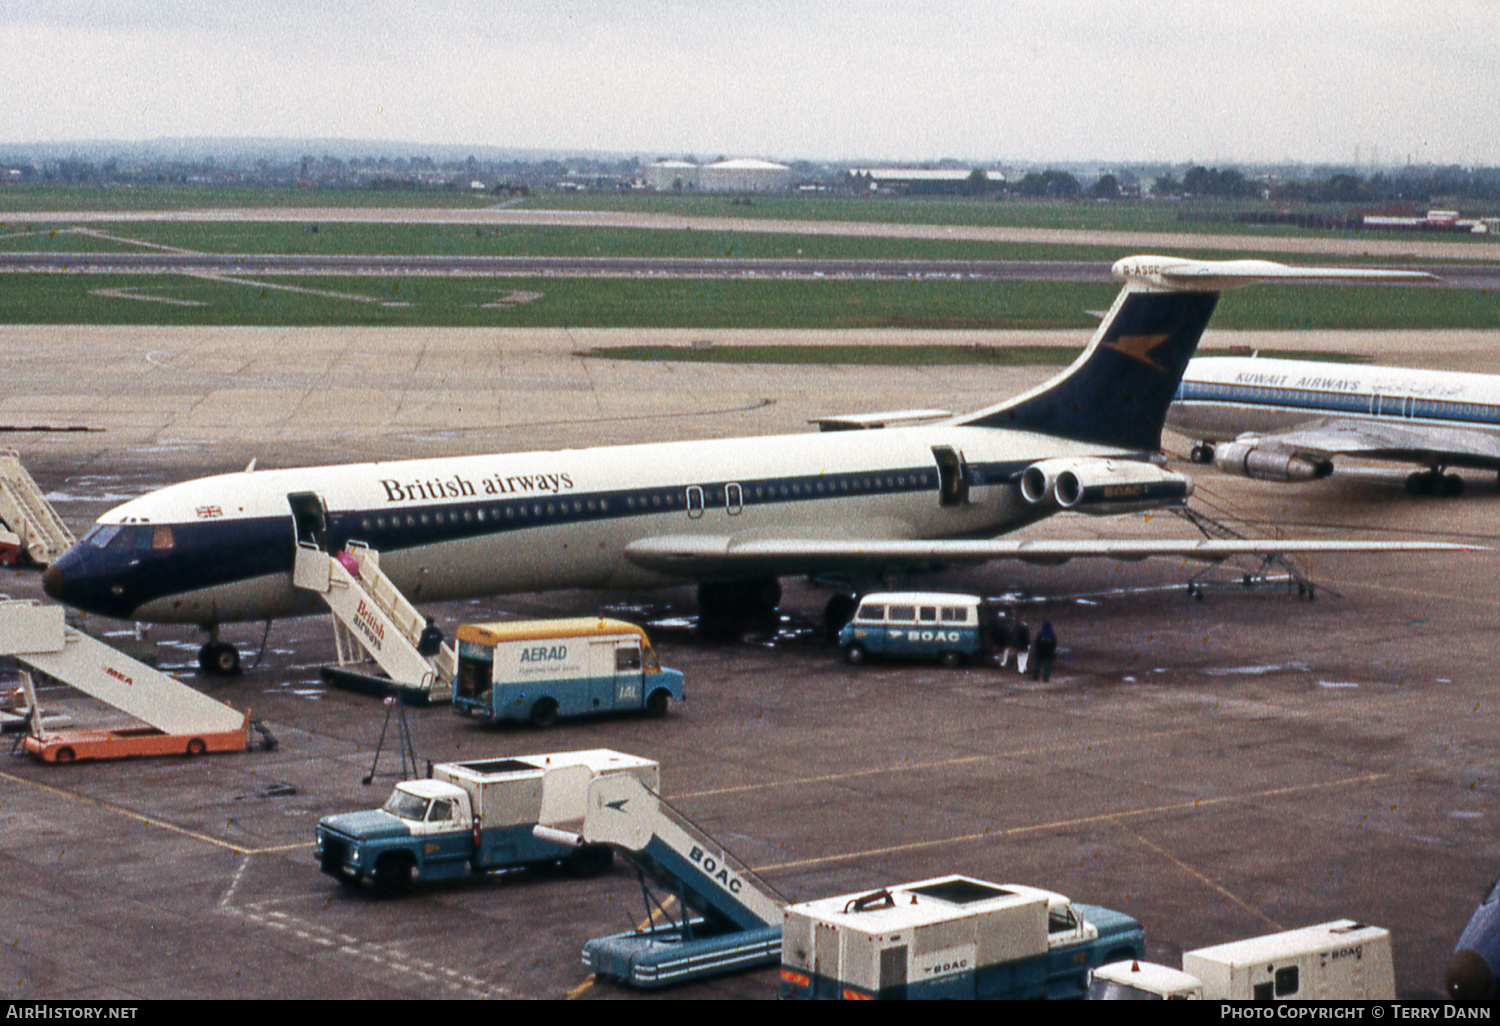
<point x="885" y="418"/>
<point x="696" y="555"/>
<point x="1176" y="274"/>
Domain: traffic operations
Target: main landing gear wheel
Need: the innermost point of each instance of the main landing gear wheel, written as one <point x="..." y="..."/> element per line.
<point x="1201" y="453"/>
<point x="838" y="612"/>
<point x="728" y="608"/>
<point x="219" y="659"/>
<point x="1433" y="482"/>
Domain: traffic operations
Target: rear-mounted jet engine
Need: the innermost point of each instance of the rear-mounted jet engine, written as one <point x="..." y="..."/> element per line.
<point x="1103" y="487"/>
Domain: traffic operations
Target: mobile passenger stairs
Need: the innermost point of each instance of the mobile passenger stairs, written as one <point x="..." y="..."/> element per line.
<point x="178" y="719"/>
<point x="1270" y="571"/>
<point x="730" y="919"/>
<point x="32" y="529"/>
<point x="372" y="620"/>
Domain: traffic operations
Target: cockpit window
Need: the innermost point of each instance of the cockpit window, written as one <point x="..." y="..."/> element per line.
<point x="102" y="535"/>
<point x="131" y="536"/>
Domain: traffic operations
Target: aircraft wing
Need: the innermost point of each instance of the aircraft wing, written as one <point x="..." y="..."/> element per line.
<point x="695" y="555"/>
<point x="1389" y="440"/>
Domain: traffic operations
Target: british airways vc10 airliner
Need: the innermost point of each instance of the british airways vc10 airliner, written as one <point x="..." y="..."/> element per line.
<point x="731" y="515"/>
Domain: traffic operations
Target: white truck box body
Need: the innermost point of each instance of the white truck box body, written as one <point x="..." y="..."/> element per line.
<point x="946" y="925"/>
<point x="563" y="658"/>
<point x="1341" y="960"/>
<point x="508" y="791"/>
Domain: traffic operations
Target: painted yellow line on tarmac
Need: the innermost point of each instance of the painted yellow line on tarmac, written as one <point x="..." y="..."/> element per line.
<point x="238" y="849"/>
<point x="1201" y="878"/>
<point x="905" y="767"/>
<point x="588" y="982"/>
<point x="1103" y="817"/>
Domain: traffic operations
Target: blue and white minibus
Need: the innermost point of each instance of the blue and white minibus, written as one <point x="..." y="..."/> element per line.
<point x="916" y="625"/>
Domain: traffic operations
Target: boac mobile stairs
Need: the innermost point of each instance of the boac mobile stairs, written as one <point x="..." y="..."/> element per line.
<point x="738" y="915"/>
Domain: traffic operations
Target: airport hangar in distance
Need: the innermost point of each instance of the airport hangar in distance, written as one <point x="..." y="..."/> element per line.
<point x="1344" y="736"/>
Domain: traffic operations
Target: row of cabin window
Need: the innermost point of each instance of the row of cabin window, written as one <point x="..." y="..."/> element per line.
<point x="853" y="483"/>
<point x="1418" y="408"/>
<point x="913" y="614"/>
<point x="561" y="506"/>
<point x="654" y="500"/>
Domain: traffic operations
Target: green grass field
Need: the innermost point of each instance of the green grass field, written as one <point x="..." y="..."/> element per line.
<point x="193" y="197"/>
<point x="540" y="240"/>
<point x="545" y="240"/>
<point x="441" y="301"/>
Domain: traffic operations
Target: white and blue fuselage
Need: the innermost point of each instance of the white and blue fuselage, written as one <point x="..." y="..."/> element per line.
<point x="220" y="549"/>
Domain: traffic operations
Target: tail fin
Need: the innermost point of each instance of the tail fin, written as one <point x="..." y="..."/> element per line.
<point x="1118" y="390"/>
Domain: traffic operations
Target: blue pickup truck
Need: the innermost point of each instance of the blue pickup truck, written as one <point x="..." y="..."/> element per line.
<point x="472" y="818"/>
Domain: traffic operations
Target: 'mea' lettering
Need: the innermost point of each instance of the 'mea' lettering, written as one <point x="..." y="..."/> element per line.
<point x="544" y="653"/>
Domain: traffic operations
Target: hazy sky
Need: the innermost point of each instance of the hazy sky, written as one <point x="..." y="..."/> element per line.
<point x="1011" y="80"/>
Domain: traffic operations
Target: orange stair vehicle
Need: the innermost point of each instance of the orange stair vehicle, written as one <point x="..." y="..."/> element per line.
<point x="173" y="718"/>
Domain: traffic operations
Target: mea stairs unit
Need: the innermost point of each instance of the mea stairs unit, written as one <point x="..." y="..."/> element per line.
<point x="177" y="719"/>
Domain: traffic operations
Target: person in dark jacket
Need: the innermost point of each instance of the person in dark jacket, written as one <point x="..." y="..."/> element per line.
<point x="1002" y="637"/>
<point x="1046" y="652"/>
<point x="431" y="640"/>
<point x="1020" y="644"/>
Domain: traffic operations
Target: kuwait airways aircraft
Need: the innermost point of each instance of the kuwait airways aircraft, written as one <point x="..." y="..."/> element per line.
<point x="731" y="515"/>
<point x="1286" y="420"/>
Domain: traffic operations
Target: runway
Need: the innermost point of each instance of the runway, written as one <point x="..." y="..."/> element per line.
<point x="1453" y="276"/>
<point x="1422" y="249"/>
<point x="1217" y="769"/>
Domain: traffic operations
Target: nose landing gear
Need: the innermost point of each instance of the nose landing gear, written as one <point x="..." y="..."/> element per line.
<point x="218" y="658"/>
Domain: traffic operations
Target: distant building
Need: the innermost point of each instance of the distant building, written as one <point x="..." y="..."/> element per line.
<point x="742" y="174"/>
<point x="914" y="181"/>
<point x="671" y="176"/>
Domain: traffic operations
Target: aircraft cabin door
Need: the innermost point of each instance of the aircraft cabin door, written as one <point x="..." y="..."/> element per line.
<point x="309" y="519"/>
<point x="734" y="499"/>
<point x="694" y="501"/>
<point x="953" y="476"/>
<point x="310" y="566"/>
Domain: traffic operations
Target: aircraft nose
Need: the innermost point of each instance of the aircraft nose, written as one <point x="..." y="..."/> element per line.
<point x="1468" y="977"/>
<point x="52" y="582"/>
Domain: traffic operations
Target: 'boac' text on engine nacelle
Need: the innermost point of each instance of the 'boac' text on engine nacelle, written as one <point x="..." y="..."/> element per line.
<point x="1248" y="457"/>
<point x="1102" y="487"/>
